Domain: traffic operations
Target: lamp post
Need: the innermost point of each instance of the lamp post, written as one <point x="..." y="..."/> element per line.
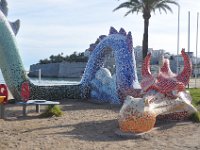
<point x="188" y="37"/>
<point x="196" y="69"/>
<point x="188" y="31"/>
<point x="178" y="34"/>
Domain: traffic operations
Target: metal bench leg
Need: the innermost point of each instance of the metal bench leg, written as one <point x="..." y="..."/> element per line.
<point x="37" y="108"/>
<point x="2" y="111"/>
<point x="24" y="110"/>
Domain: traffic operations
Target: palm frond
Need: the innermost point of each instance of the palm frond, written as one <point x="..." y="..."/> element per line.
<point x="123" y="5"/>
<point x="147" y="5"/>
<point x="168" y="8"/>
<point x="171" y="2"/>
<point x="135" y="9"/>
<point x="162" y="8"/>
<point x="133" y="5"/>
<point x="127" y="13"/>
<point x="163" y="5"/>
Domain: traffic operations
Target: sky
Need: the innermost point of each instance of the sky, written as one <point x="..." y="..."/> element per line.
<point x="64" y="26"/>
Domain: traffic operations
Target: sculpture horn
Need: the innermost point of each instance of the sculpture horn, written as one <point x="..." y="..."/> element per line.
<point x="147" y="78"/>
<point x="184" y="76"/>
<point x="146" y="66"/>
<point x="165" y="69"/>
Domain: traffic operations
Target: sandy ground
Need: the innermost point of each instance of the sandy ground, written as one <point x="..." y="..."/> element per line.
<point x="88" y="126"/>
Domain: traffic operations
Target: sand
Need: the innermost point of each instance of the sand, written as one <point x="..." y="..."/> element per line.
<point x="88" y="126"/>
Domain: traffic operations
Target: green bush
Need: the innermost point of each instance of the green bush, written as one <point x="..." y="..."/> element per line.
<point x="75" y="57"/>
<point x="194" y="92"/>
<point x="52" y="111"/>
<point x="195" y="117"/>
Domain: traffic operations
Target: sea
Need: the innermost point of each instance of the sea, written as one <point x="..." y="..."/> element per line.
<point x="49" y="81"/>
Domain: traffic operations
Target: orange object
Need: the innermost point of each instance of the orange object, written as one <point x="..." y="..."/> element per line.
<point x="136" y="124"/>
<point x="2" y="99"/>
<point x="3" y="94"/>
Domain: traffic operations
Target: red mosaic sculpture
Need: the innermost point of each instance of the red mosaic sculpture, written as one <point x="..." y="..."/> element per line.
<point x="166" y="81"/>
<point x="25" y="91"/>
<point x="164" y="98"/>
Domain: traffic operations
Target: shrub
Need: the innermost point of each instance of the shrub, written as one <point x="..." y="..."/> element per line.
<point x="195" y="117"/>
<point x="194" y="92"/>
<point x="52" y="111"/>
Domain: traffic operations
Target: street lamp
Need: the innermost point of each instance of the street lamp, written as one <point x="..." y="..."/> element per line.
<point x="178" y="34"/>
<point x="196" y="69"/>
<point x="188" y="37"/>
<point x="188" y="32"/>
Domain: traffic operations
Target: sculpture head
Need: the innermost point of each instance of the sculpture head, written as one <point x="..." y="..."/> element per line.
<point x="166" y="82"/>
<point x="164" y="97"/>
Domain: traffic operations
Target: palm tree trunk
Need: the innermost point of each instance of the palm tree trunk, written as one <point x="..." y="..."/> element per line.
<point x="145" y="38"/>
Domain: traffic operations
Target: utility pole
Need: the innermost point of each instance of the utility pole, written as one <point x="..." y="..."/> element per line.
<point x="178" y="34"/>
<point x="196" y="69"/>
<point x="188" y="37"/>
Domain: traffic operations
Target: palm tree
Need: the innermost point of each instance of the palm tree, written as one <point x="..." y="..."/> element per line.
<point x="146" y="7"/>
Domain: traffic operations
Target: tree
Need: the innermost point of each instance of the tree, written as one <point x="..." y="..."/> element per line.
<point x="75" y="57"/>
<point x="45" y="61"/>
<point x="146" y="7"/>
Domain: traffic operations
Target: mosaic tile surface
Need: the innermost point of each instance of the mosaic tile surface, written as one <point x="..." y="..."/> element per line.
<point x="13" y="70"/>
<point x="126" y="75"/>
<point x="161" y="96"/>
<point x="164" y="98"/>
<point x="120" y="42"/>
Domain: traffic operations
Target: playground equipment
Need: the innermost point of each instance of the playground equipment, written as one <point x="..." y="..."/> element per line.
<point x="161" y="96"/>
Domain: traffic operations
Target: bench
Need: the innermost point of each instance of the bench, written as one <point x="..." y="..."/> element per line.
<point x="37" y="103"/>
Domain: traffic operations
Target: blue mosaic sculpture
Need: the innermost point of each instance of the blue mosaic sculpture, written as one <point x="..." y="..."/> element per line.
<point x="126" y="76"/>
